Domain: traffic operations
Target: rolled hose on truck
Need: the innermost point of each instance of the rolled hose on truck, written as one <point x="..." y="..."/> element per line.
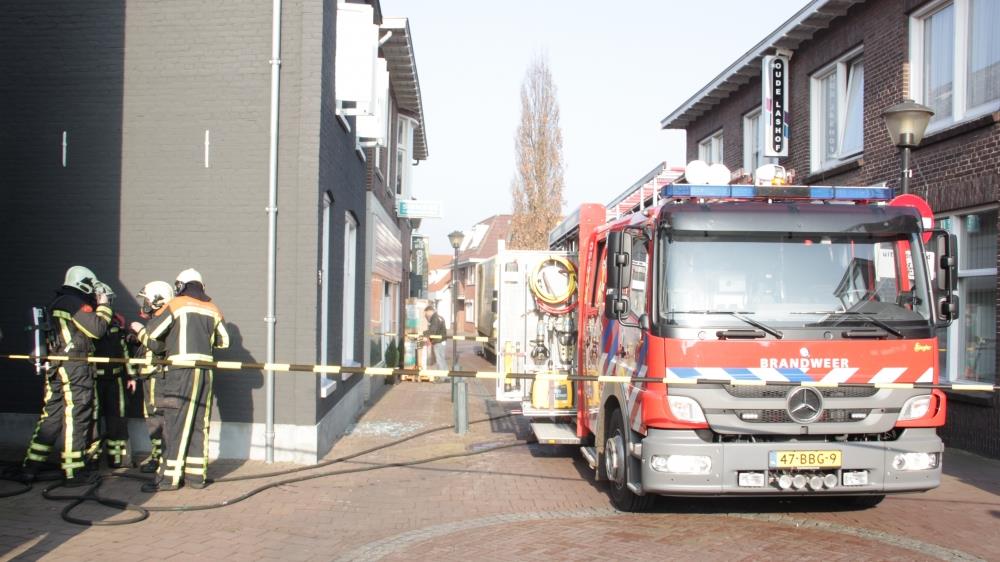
<point x="550" y="302"/>
<point x="143" y="512"/>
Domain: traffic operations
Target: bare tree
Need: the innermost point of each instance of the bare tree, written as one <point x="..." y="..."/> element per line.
<point x="537" y="188"/>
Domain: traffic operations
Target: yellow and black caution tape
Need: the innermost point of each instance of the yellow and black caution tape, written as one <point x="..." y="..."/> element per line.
<point x="434" y="373"/>
<point x="435" y="338"/>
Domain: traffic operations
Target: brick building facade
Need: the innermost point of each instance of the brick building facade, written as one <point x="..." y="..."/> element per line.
<point x="135" y="142"/>
<point x="850" y="61"/>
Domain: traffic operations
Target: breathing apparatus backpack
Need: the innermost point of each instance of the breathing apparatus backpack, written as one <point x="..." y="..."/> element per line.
<point x="44" y="335"/>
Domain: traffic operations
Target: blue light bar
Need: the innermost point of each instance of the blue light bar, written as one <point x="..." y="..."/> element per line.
<point x="818" y="193"/>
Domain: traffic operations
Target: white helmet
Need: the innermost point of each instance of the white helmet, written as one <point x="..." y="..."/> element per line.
<point x="81" y="278"/>
<point x="189" y="275"/>
<point x="158" y="293"/>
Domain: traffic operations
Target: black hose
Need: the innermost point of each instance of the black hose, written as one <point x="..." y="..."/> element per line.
<point x="12" y="472"/>
<point x="352" y="455"/>
<point x="25" y="487"/>
<point x="90" y="494"/>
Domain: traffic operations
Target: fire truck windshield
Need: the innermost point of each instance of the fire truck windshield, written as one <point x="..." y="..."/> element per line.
<point x="793" y="281"/>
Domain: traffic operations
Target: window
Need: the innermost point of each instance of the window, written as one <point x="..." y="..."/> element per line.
<point x="710" y="149"/>
<point x="350" y="283"/>
<point x="837" y="111"/>
<point x="969" y="346"/>
<point x="470" y="276"/>
<point x="790" y="281"/>
<point x="327" y="385"/>
<point x="385" y="307"/>
<point x="637" y="296"/>
<point x="404" y="142"/>
<point x="753" y="133"/>
<point x="955" y="59"/>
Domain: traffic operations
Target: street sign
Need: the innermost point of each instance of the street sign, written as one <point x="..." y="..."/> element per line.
<point x="418" y="209"/>
<point x="418" y="260"/>
<point x="922" y="207"/>
<point x="774" y="104"/>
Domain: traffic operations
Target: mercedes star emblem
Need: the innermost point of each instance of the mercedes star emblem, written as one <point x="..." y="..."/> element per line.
<point x="805" y="404"/>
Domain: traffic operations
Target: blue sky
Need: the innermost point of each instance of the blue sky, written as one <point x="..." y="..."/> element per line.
<point x="619" y="68"/>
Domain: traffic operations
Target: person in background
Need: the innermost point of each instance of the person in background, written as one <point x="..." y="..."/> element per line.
<point x="437" y="329"/>
<point x="110" y="423"/>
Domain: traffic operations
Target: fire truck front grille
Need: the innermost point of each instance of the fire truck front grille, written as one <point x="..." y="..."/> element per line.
<point x="749" y="391"/>
<point x="834" y="415"/>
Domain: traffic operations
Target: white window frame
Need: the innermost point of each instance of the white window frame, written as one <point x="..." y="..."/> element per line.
<point x="327" y="384"/>
<point x="707" y="148"/>
<point x="842" y="68"/>
<point x="956" y="335"/>
<point x="349" y="291"/>
<point x="960" y="112"/>
<point x="404" y="141"/>
<point x="750" y="165"/>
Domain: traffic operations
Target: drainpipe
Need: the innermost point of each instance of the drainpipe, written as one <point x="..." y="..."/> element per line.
<point x="272" y="225"/>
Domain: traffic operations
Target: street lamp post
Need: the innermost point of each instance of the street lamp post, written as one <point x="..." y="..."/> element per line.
<point x="458" y="387"/>
<point x="906" y="123"/>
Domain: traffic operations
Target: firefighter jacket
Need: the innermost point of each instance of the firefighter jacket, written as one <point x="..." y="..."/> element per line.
<point x="187" y="328"/>
<point x="112" y="345"/>
<point x="76" y="323"/>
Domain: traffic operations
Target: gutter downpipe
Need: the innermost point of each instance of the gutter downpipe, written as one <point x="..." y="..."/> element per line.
<point x="272" y="225"/>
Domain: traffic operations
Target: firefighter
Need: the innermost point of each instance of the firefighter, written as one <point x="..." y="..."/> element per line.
<point x="188" y="328"/>
<point x="79" y="315"/>
<point x="109" y="398"/>
<point x="154" y="296"/>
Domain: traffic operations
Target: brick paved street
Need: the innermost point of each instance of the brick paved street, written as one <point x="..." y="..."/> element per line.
<point x="522" y="502"/>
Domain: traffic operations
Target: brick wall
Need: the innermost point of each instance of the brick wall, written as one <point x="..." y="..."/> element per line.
<point x="953" y="169"/>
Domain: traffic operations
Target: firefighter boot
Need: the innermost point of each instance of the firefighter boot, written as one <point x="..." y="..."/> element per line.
<point x="81" y="478"/>
<point x="158" y="486"/>
<point x="150" y="466"/>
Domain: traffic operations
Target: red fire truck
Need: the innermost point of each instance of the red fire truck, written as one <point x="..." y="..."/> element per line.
<point x="761" y="340"/>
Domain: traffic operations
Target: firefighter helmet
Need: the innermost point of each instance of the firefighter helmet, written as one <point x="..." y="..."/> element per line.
<point x="80" y="278"/>
<point x="157" y="293"/>
<point x="188" y="276"/>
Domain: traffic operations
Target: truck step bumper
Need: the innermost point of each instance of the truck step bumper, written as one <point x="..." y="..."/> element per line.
<point x="725" y="462"/>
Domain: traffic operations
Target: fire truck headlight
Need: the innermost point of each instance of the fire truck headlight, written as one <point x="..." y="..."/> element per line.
<point x="681" y="464"/>
<point x="685" y="409"/>
<point x="915" y="408"/>
<point x="915" y="461"/>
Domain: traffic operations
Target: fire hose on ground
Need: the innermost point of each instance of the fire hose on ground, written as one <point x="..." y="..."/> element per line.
<point x="90" y="494"/>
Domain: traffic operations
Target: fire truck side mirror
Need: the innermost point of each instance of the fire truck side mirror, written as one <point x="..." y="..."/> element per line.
<point x="619" y="274"/>
<point x="945" y="247"/>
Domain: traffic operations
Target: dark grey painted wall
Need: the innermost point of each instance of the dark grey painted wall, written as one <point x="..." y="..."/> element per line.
<point x="62" y="70"/>
<point x="137" y="84"/>
<point x="342" y="174"/>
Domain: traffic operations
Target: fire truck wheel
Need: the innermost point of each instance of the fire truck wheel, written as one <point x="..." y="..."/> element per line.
<point x="619" y="466"/>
